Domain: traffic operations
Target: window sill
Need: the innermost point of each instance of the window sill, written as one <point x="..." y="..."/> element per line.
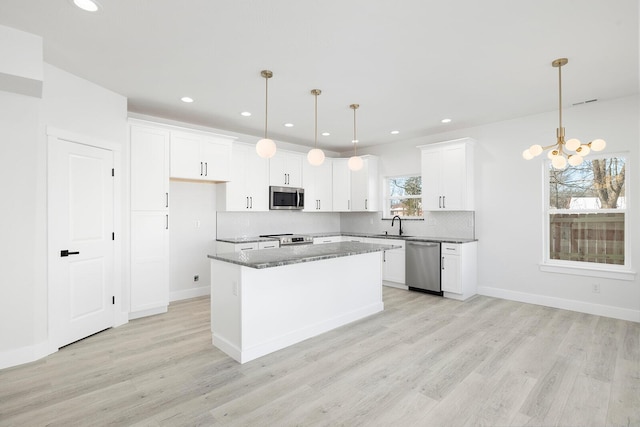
<point x="605" y="273"/>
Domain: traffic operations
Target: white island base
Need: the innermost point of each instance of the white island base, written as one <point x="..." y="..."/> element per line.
<point x="256" y="311"/>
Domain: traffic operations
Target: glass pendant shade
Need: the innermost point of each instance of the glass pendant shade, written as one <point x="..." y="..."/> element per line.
<point x="266" y="148"/>
<point x="355" y="163"/>
<point x="572" y="144"/>
<point x="575" y="160"/>
<point x="584" y="150"/>
<point x="559" y="162"/>
<point x="315" y="157"/>
<point x="598" y="144"/>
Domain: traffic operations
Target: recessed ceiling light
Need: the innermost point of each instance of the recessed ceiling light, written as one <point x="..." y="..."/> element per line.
<point x="288" y="125"/>
<point x="325" y="134"/>
<point x="88" y="5"/>
<point x="245" y="114"/>
<point x="395" y="132"/>
<point x="186" y="99"/>
<point x="446" y="120"/>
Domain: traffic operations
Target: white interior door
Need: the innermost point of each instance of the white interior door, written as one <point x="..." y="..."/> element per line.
<point x="81" y="202"/>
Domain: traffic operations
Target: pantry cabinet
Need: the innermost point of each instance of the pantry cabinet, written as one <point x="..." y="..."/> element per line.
<point x="248" y="189"/>
<point x="285" y="169"/>
<point x="317" y="181"/>
<point x="447" y="175"/>
<point x="149" y="157"/>
<point x="200" y="157"/>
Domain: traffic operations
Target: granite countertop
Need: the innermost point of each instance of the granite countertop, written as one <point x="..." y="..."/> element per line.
<point x="287" y="255"/>
<point x="396" y="237"/>
<point x="246" y="239"/>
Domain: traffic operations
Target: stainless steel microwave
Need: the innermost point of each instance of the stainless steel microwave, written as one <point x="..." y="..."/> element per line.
<point x="286" y="198"/>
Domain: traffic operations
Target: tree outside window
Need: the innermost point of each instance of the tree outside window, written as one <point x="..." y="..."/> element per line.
<point x="586" y="212"/>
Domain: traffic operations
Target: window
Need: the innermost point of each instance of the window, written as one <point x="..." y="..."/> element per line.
<point x="402" y="197"/>
<point x="586" y="214"/>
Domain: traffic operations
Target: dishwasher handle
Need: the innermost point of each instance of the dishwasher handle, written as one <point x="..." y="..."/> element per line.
<point x="426" y="244"/>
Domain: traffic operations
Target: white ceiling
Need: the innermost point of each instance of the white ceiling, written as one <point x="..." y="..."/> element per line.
<point x="408" y="63"/>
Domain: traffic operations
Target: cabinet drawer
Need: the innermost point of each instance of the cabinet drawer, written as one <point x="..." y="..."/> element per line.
<point x="450" y="249"/>
<point x="268" y="245"/>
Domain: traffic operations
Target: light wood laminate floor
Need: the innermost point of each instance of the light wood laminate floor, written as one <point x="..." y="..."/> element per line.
<point x="424" y="361"/>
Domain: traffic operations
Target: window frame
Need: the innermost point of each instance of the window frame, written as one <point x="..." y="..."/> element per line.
<point x="386" y="196"/>
<point x="582" y="268"/>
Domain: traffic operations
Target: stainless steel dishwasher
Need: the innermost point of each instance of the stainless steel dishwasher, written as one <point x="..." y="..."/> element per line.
<point x="422" y="267"/>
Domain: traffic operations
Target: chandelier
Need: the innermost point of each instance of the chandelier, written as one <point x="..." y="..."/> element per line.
<point x="563" y="152"/>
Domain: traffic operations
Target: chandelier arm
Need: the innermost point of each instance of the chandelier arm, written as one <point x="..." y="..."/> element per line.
<point x="560" y="95"/>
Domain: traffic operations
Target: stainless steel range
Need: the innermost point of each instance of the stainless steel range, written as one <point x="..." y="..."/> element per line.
<point x="291" y="239"/>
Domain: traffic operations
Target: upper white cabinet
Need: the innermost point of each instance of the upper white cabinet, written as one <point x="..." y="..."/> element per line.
<point x="364" y="186"/>
<point x="149" y="168"/>
<point x="341" y="186"/>
<point x="200" y="157"/>
<point x="317" y="186"/>
<point x="285" y="169"/>
<point x="248" y="189"/>
<point x="447" y="175"/>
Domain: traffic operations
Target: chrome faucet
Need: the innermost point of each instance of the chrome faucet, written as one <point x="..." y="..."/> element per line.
<point x="399" y="224"/>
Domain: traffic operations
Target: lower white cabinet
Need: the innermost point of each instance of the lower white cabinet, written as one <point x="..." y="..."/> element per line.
<point x="222" y="247"/>
<point x="149" y="263"/>
<point x="393" y="260"/>
<point x="459" y="270"/>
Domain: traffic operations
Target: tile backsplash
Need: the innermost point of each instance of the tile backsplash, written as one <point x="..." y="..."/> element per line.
<point x="435" y="224"/>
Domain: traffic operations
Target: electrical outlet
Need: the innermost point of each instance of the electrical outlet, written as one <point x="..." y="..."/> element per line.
<point x="196" y="278"/>
<point x="596" y="288"/>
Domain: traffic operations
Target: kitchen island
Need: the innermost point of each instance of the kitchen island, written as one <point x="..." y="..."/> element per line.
<point x="265" y="300"/>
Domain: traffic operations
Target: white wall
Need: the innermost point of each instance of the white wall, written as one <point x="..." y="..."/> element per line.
<point x="509" y="222"/>
<point x="68" y="103"/>
<point x="192" y="235"/>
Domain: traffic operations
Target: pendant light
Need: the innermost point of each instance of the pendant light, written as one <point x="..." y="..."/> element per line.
<point x="560" y="151"/>
<point x="316" y="155"/>
<point x="355" y="162"/>
<point x="266" y="148"/>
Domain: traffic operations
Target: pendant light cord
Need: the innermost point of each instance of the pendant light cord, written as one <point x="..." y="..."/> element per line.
<point x="266" y="104"/>
<point x="355" y="139"/>
<point x="316" y="120"/>
<point x="560" y="94"/>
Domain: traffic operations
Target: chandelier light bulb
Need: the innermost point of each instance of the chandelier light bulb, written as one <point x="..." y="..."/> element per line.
<point x="526" y="154"/>
<point x="535" y="149"/>
<point x="266" y="148"/>
<point x="575" y="160"/>
<point x="583" y="150"/>
<point x="315" y="156"/>
<point x="559" y="162"/>
<point x="597" y="144"/>
<point x="355" y="163"/>
<point x="572" y="144"/>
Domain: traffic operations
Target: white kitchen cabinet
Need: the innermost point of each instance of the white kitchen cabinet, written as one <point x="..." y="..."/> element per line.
<point x="341" y="186"/>
<point x="248" y="189"/>
<point x="447" y="175"/>
<point x="200" y="157"/>
<point x="285" y="169"/>
<point x="327" y="239"/>
<point x="459" y="270"/>
<point x="149" y="263"/>
<point x="149" y="168"/>
<point x="149" y="155"/>
<point x="318" y="183"/>
<point x="364" y="186"/>
<point x="222" y="247"/>
<point x="393" y="265"/>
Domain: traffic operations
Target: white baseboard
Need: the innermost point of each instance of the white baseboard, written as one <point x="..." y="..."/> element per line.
<point x="31" y="353"/>
<point x="565" y="304"/>
<point x="189" y="293"/>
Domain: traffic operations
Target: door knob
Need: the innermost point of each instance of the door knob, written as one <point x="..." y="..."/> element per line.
<point x="65" y="252"/>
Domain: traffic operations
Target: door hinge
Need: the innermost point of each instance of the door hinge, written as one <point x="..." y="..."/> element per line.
<point x="113" y="300"/>
<point x="113" y="236"/>
<point x="113" y="172"/>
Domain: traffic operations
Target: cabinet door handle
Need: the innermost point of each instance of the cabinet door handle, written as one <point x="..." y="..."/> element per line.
<point x="166" y="227"/>
<point x="349" y="204"/>
<point x="365" y="204"/>
<point x="247" y="202"/>
<point x="442" y="263"/>
<point x="250" y="202"/>
<point x="167" y="200"/>
<point x="439" y="202"/>
<point x="206" y="169"/>
<point x="384" y="256"/>
<point x="201" y="168"/>
<point x="443" y="202"/>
